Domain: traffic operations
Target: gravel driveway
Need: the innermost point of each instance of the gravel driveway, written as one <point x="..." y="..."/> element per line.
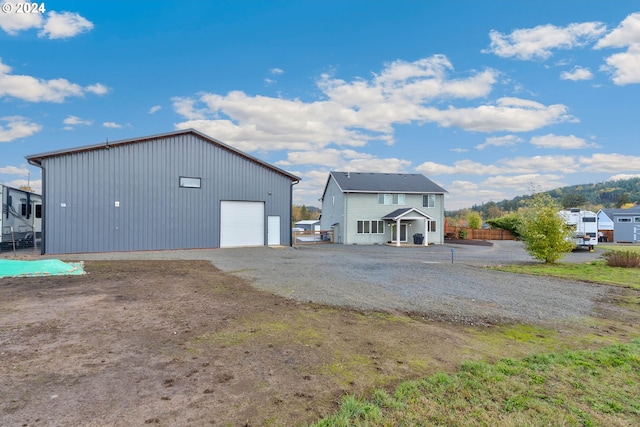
<point x="420" y="280"/>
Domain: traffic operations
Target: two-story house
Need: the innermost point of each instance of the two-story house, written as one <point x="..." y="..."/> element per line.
<point x="383" y="208"/>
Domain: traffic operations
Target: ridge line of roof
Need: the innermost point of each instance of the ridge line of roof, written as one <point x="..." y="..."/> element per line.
<point x="35" y="159"/>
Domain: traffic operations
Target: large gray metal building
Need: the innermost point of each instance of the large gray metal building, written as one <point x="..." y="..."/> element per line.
<point x="176" y="190"/>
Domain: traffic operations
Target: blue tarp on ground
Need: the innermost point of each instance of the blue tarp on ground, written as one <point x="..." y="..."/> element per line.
<point x="45" y="267"/>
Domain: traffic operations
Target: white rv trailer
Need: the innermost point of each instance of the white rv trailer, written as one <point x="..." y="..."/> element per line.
<point x="584" y="225"/>
<point x="21" y="219"/>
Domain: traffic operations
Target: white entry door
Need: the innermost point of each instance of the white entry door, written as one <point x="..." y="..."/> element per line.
<point x="273" y="230"/>
<point x="241" y="224"/>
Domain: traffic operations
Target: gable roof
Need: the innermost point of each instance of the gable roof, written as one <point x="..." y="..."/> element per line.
<point x="610" y="213"/>
<point x="635" y="210"/>
<point x="364" y="182"/>
<point x="400" y="213"/>
<point x="36" y="159"/>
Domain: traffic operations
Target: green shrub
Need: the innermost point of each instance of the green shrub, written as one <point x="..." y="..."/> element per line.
<point x="626" y="259"/>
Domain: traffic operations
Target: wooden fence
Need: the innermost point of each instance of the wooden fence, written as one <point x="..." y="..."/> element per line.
<point x="478" y="234"/>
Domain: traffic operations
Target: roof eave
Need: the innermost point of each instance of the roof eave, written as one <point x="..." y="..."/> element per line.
<point x="36" y="159"/>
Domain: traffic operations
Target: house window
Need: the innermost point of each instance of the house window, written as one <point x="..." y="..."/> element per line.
<point x="391" y="199"/>
<point x="624" y="219"/>
<point x="370" y="227"/>
<point x="637" y="219"/>
<point x="588" y="219"/>
<point x="429" y="200"/>
<point x="38" y="211"/>
<point x="431" y="226"/>
<point x="189" y="182"/>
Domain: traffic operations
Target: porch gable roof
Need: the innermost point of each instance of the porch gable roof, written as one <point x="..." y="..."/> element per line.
<point x="404" y="212"/>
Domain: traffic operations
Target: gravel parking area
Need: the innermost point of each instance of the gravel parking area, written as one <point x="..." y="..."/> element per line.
<point x="418" y="280"/>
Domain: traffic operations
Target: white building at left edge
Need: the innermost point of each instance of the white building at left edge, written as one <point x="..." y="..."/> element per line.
<point x="21" y="219"/>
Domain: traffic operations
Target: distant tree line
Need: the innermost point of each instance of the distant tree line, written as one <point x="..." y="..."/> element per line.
<point x="610" y="194"/>
<point x="605" y="195"/>
<point x="302" y="212"/>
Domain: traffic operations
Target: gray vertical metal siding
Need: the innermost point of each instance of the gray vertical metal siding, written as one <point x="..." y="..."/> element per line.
<point x="154" y="212"/>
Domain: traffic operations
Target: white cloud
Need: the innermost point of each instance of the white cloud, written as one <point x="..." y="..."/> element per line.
<point x="536" y="164"/>
<point x="626" y="34"/>
<point x="538" y="42"/>
<point x="625" y="66"/>
<point x="76" y="121"/>
<point x="329" y="157"/>
<point x="111" y="125"/>
<point x="516" y="165"/>
<point x="499" y="141"/>
<point x="97" y="89"/>
<point x="610" y="162"/>
<point x="64" y="25"/>
<point x="523" y="181"/>
<point x="14" y="170"/>
<point x="577" y="74"/>
<point x="31" y="89"/>
<point x="461" y="167"/>
<point x="563" y="142"/>
<point x="17" y="127"/>
<point x="155" y="109"/>
<point x="35" y="185"/>
<point x="509" y="115"/>
<point x="56" y="25"/>
<point x="362" y="111"/>
<point x="620" y="176"/>
<point x="276" y="71"/>
<point x="13" y="23"/>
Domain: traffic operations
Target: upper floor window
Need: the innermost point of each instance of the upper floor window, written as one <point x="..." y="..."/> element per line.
<point x="391" y="199"/>
<point x="429" y="200"/>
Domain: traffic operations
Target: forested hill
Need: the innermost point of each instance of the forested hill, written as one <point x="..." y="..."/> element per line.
<point x="608" y="194"/>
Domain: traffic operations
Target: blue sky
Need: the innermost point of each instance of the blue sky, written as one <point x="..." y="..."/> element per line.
<point x="487" y="98"/>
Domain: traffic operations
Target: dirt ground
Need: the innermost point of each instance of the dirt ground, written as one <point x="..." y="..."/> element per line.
<point x="181" y="343"/>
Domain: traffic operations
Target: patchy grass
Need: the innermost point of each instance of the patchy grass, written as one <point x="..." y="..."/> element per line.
<point x="618" y="247"/>
<point x="594" y="272"/>
<point x="581" y="388"/>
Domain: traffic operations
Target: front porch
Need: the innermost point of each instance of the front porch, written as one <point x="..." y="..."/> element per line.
<point x="407" y="227"/>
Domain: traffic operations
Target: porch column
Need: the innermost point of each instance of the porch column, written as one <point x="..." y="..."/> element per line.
<point x="398" y="232"/>
<point x="426" y="234"/>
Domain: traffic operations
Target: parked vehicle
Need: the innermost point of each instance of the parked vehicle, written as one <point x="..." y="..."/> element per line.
<point x="584" y="225"/>
<point x="21" y="219"/>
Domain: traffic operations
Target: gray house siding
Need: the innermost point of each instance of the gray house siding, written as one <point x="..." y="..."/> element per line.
<point x="626" y="225"/>
<point x="355" y="198"/>
<point x="364" y="206"/>
<point x="127" y="197"/>
<point x="333" y="211"/>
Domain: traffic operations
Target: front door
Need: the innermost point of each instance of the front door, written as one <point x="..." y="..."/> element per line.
<point x="403" y="232"/>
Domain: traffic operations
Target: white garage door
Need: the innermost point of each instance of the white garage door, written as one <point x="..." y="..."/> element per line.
<point x="241" y="224"/>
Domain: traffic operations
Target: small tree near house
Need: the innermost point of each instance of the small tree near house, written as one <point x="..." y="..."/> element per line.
<point x="474" y="220"/>
<point x="543" y="231"/>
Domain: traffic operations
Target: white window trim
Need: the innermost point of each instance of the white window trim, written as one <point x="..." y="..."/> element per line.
<point x="379" y="227"/>
<point x="190" y="182"/>
<point x="430" y="198"/>
<point x="387" y="199"/>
